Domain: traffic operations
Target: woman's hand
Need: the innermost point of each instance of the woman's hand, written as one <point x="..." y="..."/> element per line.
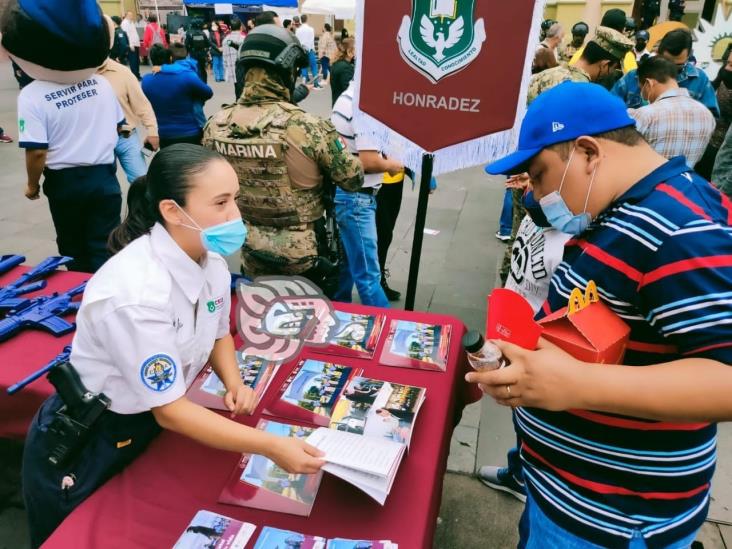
<point x="295" y="456"/>
<point x="241" y="400"/>
<point x="547" y="378"/>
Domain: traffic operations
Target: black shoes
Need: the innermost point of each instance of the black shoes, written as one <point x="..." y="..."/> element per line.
<point x="391" y="295"/>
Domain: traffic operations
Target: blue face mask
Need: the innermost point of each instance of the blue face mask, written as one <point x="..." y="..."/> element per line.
<point x="558" y="213"/>
<point x="225" y="238"/>
<point x="533" y="208"/>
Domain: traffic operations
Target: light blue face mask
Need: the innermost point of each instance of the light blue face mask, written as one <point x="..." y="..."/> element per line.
<point x="558" y="213"/>
<point x="225" y="238"/>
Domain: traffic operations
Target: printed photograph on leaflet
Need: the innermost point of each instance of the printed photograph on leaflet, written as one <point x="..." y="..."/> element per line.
<point x="265" y="474"/>
<point x="379" y="409"/>
<point x="272" y="538"/>
<point x="315" y="386"/>
<point x="256" y="372"/>
<point x="339" y="543"/>
<point x="354" y="334"/>
<point x="209" y="530"/>
<point x="416" y="345"/>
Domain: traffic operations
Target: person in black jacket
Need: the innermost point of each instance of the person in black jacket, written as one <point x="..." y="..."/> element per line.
<point x="198" y="45"/>
<point x="342" y="71"/>
<point x="121" y="44"/>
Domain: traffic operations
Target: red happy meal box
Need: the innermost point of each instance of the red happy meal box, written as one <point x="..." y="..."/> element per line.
<point x="587" y="329"/>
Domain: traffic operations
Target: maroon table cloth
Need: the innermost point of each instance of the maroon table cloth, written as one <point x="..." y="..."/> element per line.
<point x="27" y="352"/>
<point x="151" y="502"/>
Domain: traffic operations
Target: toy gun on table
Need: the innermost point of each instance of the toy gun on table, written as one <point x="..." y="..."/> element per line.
<point x="44" y="313"/>
<point x="9" y="299"/>
<point x="63" y="356"/>
<point x="8" y="262"/>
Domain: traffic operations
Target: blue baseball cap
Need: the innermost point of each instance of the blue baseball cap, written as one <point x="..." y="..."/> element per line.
<point x="563" y="113"/>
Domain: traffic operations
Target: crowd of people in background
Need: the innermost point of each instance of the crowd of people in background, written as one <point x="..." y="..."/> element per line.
<point x="642" y="93"/>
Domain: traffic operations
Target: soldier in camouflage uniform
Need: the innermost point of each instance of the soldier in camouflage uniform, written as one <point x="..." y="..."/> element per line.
<point x="602" y="55"/>
<point x="286" y="160"/>
<point x="579" y="33"/>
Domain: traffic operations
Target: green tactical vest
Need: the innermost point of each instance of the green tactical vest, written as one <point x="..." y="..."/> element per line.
<point x="253" y="140"/>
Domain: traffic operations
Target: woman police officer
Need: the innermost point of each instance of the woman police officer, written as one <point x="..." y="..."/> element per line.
<point x="150" y="319"/>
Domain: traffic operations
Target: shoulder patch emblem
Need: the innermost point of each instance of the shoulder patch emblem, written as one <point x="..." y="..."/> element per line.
<point x="158" y="372"/>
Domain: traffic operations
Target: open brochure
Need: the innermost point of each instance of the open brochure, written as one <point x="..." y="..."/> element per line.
<point x="354" y="335"/>
<point x="415" y="345"/>
<point x="368" y="463"/>
<point x="209" y="530"/>
<point x="259" y="483"/>
<point x="256" y="372"/>
<point x="272" y="538"/>
<point x="311" y="391"/>
<point x="379" y="409"/>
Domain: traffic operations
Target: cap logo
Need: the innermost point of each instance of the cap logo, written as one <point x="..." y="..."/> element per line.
<point x="557" y="126"/>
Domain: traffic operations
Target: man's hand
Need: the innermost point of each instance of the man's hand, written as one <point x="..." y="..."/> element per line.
<point x="520" y="181"/>
<point x="32" y="191"/>
<point x="241" y="400"/>
<point x="154" y="141"/>
<point x="547" y="378"/>
<point x="394" y="167"/>
<point x="295" y="456"/>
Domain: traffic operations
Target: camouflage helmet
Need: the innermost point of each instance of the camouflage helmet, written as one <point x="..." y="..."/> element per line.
<point x="273" y="47"/>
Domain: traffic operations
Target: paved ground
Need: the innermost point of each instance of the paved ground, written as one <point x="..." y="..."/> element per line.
<point x="457" y="272"/>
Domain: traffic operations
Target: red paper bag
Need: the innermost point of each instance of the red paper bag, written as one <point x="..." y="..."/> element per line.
<point x="587" y="329"/>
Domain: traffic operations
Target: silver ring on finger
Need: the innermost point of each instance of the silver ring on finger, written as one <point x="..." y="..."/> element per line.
<point x="508" y="389"/>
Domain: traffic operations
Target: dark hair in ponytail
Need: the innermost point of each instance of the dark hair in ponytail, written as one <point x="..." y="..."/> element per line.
<point x="168" y="178"/>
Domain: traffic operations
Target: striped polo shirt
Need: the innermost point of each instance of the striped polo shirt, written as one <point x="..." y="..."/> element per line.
<point x="661" y="256"/>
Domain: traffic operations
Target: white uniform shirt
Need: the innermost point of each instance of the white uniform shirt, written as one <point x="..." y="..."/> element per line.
<point x="342" y="118"/>
<point x="132" y="35"/>
<point x="148" y="322"/>
<point x="536" y="254"/>
<point x="306" y="35"/>
<point x="77" y="123"/>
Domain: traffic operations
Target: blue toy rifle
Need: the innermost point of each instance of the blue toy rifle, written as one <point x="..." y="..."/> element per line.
<point x="8" y="262"/>
<point x="61" y="358"/>
<point x="44" y="313"/>
<point x="9" y="294"/>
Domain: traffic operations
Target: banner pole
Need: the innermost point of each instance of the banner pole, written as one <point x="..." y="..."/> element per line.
<point x="424" y="193"/>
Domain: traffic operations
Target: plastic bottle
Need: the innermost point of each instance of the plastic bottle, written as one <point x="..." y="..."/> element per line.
<point x="482" y="355"/>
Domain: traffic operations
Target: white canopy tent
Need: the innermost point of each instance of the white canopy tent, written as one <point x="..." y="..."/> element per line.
<point x="340" y="9"/>
<point x="283" y="13"/>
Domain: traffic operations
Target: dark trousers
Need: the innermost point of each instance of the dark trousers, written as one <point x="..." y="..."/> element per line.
<point x="133" y="57"/>
<point x="85" y="206"/>
<point x="705" y="166"/>
<point x="105" y="453"/>
<point x="193" y="139"/>
<point x="388" y="204"/>
<point x="201" y="67"/>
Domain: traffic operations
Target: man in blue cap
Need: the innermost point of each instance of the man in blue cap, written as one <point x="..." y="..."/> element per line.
<point x="621" y="455"/>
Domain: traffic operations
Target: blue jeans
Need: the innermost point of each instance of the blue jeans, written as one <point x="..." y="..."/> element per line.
<point x="313" y="60"/>
<point x="506" y="223"/>
<point x="356" y="218"/>
<point x="325" y="65"/>
<point x="542" y="533"/>
<point x="217" y="64"/>
<point x="129" y="153"/>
